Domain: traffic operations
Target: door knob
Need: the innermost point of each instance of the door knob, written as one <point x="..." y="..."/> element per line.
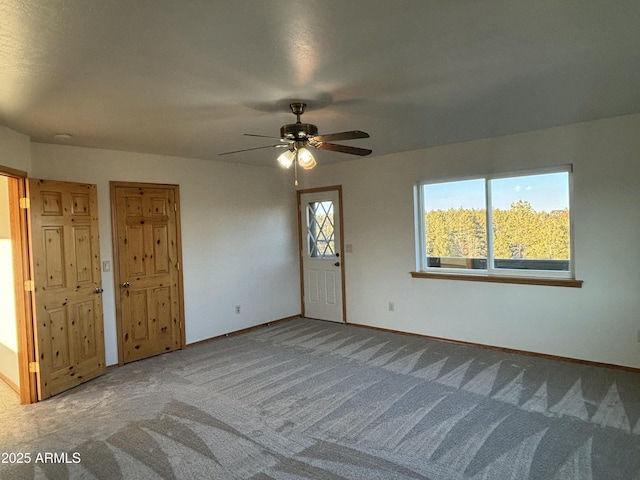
<point x="126" y="284"/>
<point x="99" y="290"/>
<point x="337" y="264"/>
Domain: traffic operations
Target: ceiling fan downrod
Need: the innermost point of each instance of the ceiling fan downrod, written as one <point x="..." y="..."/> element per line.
<point x="298" y="131"/>
<point x="297" y="109"/>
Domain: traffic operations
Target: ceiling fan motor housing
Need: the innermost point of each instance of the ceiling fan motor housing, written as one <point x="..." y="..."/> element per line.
<point x="298" y="131"/>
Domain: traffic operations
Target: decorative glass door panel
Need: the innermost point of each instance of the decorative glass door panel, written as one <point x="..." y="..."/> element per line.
<point x="321" y="230"/>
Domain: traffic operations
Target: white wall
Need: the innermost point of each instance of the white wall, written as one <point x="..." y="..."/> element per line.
<point x="238" y="233"/>
<point x="227" y="263"/>
<point x="15" y="149"/>
<point x="598" y="322"/>
<point x="5" y="221"/>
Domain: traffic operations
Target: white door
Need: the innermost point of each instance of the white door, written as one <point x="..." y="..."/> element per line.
<point x="321" y="255"/>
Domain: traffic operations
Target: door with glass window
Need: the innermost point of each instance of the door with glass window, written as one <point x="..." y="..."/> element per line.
<point x="322" y="264"/>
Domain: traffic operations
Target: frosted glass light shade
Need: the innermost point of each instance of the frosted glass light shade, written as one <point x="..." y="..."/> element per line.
<point x="286" y="159"/>
<point x="305" y="159"/>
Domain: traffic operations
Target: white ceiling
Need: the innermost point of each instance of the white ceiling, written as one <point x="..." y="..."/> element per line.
<point x="189" y="78"/>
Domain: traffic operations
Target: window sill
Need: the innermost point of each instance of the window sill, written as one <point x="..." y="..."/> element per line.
<point x="551" y="282"/>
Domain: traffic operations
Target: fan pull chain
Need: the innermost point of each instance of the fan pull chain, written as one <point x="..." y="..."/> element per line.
<point x="295" y="169"/>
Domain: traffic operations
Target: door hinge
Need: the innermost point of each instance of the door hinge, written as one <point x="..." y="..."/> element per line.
<point x="25" y="203"/>
<point x="34" y="367"/>
<point x="175" y="207"/>
<point x="29" y="286"/>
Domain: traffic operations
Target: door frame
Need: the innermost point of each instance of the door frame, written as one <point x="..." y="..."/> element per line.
<point x="22" y="268"/>
<point x="301" y="225"/>
<point x="113" y="185"/>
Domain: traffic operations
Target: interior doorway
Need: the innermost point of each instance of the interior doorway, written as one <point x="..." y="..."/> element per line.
<point x="33" y="345"/>
<point x="9" y="372"/>
<point x="17" y="346"/>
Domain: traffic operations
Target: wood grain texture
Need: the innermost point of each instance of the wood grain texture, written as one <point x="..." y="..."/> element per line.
<point x="147" y="246"/>
<point x="551" y="282"/>
<point x="68" y="319"/>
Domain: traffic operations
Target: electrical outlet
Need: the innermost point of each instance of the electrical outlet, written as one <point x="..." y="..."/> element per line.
<point x="392" y="307"/>
<point x="237" y="309"/>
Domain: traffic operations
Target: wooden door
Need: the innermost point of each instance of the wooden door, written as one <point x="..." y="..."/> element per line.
<point x="321" y="254"/>
<point x="68" y="324"/>
<point x="148" y="279"/>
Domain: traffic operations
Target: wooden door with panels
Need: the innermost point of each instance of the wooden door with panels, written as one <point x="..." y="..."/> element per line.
<point x="147" y="259"/>
<point x="67" y="299"/>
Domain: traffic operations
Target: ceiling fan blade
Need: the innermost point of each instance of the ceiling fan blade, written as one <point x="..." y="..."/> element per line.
<point x="344" y="149"/>
<point x="332" y="137"/>
<point x="279" y="145"/>
<point x="261" y="136"/>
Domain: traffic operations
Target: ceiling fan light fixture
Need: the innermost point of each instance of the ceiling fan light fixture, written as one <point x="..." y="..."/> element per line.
<point x="298" y="137"/>
<point x="305" y="159"/>
<point x="286" y="159"/>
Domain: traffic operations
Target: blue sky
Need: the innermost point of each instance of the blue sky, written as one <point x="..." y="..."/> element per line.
<point x="544" y="192"/>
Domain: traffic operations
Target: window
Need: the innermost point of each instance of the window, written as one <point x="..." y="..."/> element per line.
<point x="320" y="229"/>
<point x="511" y="224"/>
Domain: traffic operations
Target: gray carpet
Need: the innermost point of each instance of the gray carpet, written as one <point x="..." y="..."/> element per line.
<point x="309" y="399"/>
<point x="8" y="397"/>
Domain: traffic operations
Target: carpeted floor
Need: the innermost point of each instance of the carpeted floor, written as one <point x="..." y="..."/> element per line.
<point x="309" y="399"/>
<point x="8" y="397"/>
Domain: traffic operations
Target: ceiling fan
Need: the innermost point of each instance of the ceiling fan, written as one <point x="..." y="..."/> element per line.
<point x="297" y="137"/>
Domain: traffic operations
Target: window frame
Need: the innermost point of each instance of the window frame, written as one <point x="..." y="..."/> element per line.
<point x="491" y="273"/>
